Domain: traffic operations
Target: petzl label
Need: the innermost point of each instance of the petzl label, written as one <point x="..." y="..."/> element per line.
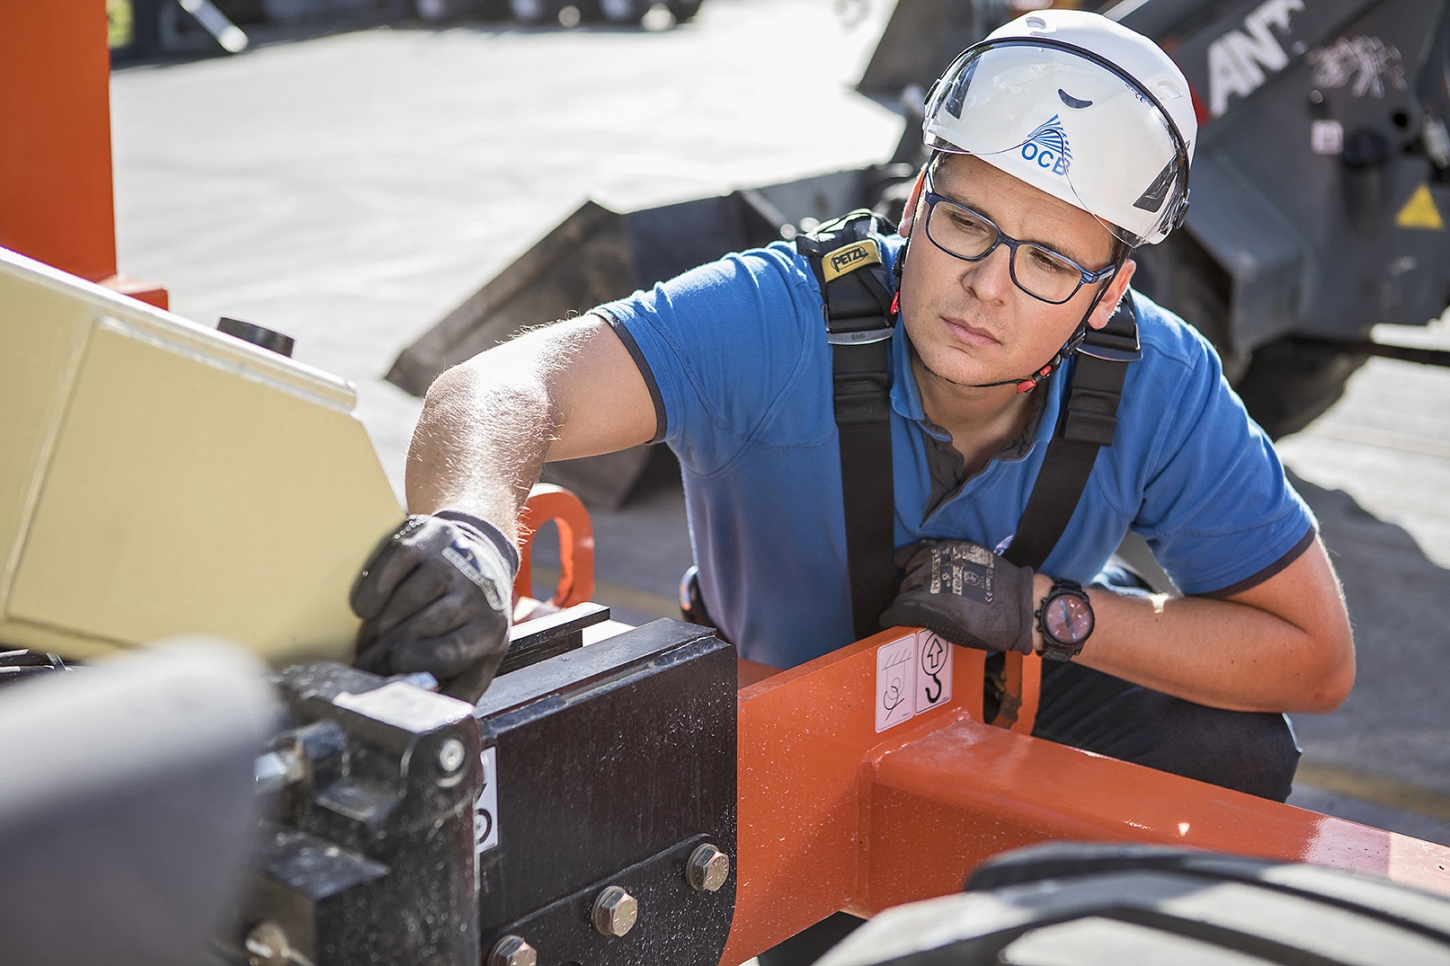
<point x="848" y="258"/>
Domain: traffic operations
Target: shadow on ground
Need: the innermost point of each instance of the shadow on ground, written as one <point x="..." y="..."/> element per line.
<point x="1395" y="723"/>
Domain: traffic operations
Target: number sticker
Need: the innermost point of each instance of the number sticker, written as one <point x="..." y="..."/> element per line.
<point x="485" y="810"/>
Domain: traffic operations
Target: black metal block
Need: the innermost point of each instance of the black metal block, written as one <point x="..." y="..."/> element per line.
<point x="610" y="765"/>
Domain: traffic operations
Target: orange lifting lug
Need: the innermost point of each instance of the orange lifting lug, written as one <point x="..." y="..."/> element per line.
<point x="548" y="502"/>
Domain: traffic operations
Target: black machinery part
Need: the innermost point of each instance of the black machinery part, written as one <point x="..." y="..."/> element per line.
<point x="411" y="827"/>
<point x="257" y="335"/>
<point x="612" y="764"/>
<point x="23" y="665"/>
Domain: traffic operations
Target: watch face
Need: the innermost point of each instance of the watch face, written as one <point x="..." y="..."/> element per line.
<point x="1069" y="619"/>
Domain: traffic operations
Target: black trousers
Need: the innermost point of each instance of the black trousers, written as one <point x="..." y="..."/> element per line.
<point x="1250" y="752"/>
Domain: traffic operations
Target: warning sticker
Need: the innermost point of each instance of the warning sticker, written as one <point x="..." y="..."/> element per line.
<point x="913" y="675"/>
<point x="1420" y="211"/>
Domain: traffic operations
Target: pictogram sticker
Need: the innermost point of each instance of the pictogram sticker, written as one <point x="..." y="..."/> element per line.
<point x="913" y="675"/>
<point x="1420" y="211"/>
<point x="933" y="671"/>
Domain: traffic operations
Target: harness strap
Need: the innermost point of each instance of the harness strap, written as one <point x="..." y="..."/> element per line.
<point x="1087" y="422"/>
<point x="859" y="322"/>
<point x="858" y="307"/>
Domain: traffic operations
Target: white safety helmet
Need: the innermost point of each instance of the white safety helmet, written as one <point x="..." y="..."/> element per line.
<point x="1080" y="107"/>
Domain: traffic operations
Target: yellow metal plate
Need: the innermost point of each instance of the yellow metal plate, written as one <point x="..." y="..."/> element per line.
<point x="158" y="478"/>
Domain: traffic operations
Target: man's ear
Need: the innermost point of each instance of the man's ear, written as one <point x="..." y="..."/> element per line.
<point x="908" y="214"/>
<point x="1117" y="288"/>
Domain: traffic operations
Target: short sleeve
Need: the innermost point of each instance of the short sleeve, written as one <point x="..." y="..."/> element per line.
<point x="721" y="348"/>
<point x="1217" y="509"/>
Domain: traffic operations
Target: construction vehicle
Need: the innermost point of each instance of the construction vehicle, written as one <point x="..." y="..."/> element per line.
<point x="1320" y="181"/>
<point x="619" y="795"/>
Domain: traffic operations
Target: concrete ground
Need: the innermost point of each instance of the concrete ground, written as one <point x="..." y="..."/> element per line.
<point x="350" y="189"/>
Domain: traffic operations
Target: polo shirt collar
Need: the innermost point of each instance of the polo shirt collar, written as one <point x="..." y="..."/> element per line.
<point x="906" y="394"/>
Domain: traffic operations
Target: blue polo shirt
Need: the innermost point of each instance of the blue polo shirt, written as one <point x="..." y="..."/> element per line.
<point x="736" y="358"/>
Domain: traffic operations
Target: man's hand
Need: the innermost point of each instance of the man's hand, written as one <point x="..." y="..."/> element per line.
<point x="966" y="594"/>
<point x="435" y="596"/>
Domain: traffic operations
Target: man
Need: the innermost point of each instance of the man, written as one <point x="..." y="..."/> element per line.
<point x="1060" y="143"/>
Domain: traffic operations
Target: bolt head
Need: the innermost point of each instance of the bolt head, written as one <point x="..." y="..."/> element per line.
<point x="615" y="912"/>
<point x="513" y="951"/>
<point x="707" y="869"/>
<point x="450" y="755"/>
<point x="266" y="944"/>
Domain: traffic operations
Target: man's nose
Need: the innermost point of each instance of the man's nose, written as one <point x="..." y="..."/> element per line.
<point x="990" y="279"/>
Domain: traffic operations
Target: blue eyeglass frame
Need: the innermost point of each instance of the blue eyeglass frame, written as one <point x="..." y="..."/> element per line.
<point x="1085" y="277"/>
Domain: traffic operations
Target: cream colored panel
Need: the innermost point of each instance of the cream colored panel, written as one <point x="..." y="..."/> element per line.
<point x="35" y="368"/>
<point x="194" y="484"/>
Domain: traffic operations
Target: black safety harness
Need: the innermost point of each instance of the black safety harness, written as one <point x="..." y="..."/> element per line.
<point x="860" y="306"/>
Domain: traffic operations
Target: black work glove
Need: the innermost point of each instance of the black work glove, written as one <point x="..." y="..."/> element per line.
<point x="964" y="593"/>
<point x="436" y="596"/>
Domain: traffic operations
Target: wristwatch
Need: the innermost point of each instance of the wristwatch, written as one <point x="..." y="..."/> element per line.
<point x="1065" y="620"/>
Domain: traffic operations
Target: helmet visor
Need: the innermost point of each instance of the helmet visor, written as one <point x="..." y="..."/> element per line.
<point x="1069" y="124"/>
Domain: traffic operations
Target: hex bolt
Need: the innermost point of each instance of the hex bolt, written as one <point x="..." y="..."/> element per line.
<point x="614" y="912"/>
<point x="707" y="869"/>
<point x="513" y="951"/>
<point x="450" y="755"/>
<point x="267" y="945"/>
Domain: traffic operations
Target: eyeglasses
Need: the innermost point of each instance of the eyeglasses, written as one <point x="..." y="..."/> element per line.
<point x="1040" y="272"/>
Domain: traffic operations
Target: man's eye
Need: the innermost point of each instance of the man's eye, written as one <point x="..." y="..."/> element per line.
<point x="966" y="222"/>
<point x="1048" y="262"/>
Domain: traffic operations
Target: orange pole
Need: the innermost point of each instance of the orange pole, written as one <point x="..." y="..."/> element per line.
<point x="55" y="135"/>
<point x="56" y="202"/>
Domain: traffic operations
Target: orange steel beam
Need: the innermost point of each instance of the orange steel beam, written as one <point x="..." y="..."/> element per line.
<point x="836" y="816"/>
<point x="56" y="201"/>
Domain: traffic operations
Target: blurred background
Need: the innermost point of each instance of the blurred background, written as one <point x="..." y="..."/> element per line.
<point x="349" y="172"/>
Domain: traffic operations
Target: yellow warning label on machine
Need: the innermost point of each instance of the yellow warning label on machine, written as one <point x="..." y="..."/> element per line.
<point x="1420" y="211"/>
<point x="850" y="257"/>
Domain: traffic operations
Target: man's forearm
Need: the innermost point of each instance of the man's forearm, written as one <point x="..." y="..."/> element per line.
<point x="481" y="441"/>
<point x="1283" y="646"/>
<point x="560" y="392"/>
<point x="1214" y="652"/>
